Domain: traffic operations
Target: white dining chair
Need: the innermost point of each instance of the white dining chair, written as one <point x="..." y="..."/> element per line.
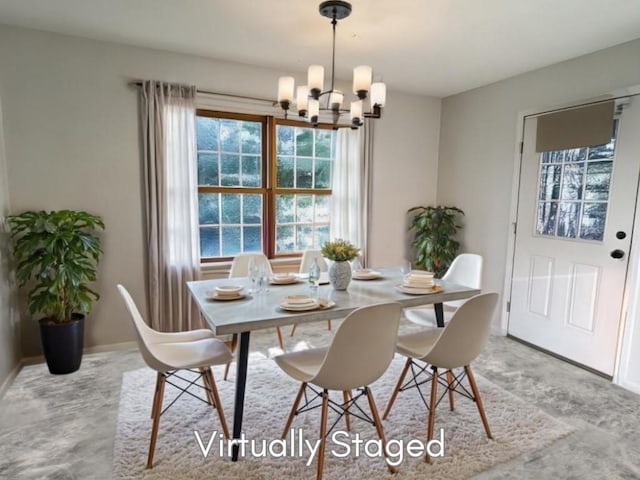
<point x="305" y="264"/>
<point x="169" y="354"/>
<point x="442" y="350"/>
<point x="465" y="270"/>
<point x="359" y="354"/>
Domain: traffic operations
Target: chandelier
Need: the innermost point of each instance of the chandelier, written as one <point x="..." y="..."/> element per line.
<point x="311" y="99"/>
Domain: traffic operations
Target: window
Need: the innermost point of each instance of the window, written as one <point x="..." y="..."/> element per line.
<point x="252" y="197"/>
<point x="573" y="191"/>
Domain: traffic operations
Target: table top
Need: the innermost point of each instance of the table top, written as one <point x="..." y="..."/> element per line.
<point x="259" y="311"/>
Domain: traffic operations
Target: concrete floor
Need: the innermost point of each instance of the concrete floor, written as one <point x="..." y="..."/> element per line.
<point x="63" y="427"/>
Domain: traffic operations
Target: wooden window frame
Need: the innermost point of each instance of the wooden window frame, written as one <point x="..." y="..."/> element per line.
<point x="269" y="189"/>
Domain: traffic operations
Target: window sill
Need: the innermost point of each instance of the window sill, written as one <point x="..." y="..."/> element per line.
<point x="221" y="269"/>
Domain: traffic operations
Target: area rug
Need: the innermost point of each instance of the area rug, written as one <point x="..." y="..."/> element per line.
<point x="187" y="430"/>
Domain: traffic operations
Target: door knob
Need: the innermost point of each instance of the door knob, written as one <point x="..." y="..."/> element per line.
<point x="617" y="253"/>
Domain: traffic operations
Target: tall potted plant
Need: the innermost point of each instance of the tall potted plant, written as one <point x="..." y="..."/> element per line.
<point x="57" y="254"/>
<point x="434" y="229"/>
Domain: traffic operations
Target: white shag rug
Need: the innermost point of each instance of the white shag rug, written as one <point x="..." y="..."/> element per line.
<point x="517" y="427"/>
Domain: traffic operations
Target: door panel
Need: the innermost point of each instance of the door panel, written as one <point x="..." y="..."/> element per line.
<point x="567" y="288"/>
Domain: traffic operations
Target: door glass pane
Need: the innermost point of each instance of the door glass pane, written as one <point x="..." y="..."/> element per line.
<point x="593" y="221"/>
<point x="598" y="180"/>
<point x="572" y="181"/>
<point x="546" y="221"/>
<point x="568" y="216"/>
<point x="550" y="176"/>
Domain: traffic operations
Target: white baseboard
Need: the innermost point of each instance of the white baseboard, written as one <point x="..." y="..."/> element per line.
<point x="10" y="378"/>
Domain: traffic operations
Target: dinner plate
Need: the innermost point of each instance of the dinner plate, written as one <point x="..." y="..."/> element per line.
<point x="229" y="289"/>
<point x="366" y="275"/>
<point x="419" y="291"/>
<point x="320" y="304"/>
<point x="214" y="295"/>
<point x="283" y="281"/>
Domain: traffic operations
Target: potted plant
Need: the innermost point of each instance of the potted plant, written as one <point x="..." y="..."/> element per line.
<point x="57" y="253"/>
<point x="435" y="229"/>
<point x="341" y="252"/>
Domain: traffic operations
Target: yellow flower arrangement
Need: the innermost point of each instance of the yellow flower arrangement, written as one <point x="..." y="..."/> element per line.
<point x="340" y="250"/>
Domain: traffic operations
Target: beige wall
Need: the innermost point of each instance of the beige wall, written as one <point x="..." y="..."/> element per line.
<point x="9" y="332"/>
<point x="72" y="142"/>
<point x="479" y="137"/>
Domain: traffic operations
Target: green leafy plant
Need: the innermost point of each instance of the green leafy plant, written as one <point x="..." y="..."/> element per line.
<point x="60" y="252"/>
<point x="340" y="250"/>
<point x="435" y="229"/>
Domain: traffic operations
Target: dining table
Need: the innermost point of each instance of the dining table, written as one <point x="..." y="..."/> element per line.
<point x="261" y="310"/>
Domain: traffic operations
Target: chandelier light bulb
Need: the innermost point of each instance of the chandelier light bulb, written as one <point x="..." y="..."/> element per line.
<point x="302" y="99"/>
<point x="378" y="94"/>
<point x="315" y="80"/>
<point x="285" y="89"/>
<point x="362" y="80"/>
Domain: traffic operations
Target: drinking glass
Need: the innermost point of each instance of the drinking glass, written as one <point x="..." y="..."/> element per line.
<point x="405" y="269"/>
<point x="263" y="278"/>
<point x="356" y="265"/>
<point x="254" y="273"/>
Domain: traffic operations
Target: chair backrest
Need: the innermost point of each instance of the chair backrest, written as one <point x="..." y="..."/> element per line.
<point x="307" y="259"/>
<point x="240" y="264"/>
<point x="466" y="334"/>
<point x="466" y="269"/>
<point x="362" y="348"/>
<point x="144" y="333"/>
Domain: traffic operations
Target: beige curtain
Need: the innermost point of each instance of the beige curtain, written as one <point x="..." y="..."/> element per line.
<point x="170" y="180"/>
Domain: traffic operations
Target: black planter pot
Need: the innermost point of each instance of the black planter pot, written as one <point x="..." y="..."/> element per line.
<point x="62" y="344"/>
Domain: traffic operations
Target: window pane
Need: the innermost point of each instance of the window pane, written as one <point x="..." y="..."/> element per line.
<point x="230" y="241"/>
<point x="207" y="169"/>
<point x="323" y="143"/>
<point x="553" y="157"/>
<point x="252" y="239"/>
<point x="323" y="208"/>
<point x="207" y="133"/>
<point x="323" y="174"/>
<point x="209" y="208"/>
<point x="550" y="182"/>
<point x="230" y="135"/>
<point x="304" y="210"/>
<point x="575" y="154"/>
<point x="285" y="209"/>
<point x="230" y="170"/>
<point x="322" y="235"/>
<point x="209" y="241"/>
<point x="252" y="209"/>
<point x="285" y="172"/>
<point x="230" y="208"/>
<point x="304" y="173"/>
<point x="304" y="237"/>
<point x="251" y="171"/>
<point x="251" y="137"/>
<point x="285" y="140"/>
<point x="546" y="222"/>
<point x="304" y="142"/>
<point x="572" y="181"/>
<point x="598" y="180"/>
<point x="568" y="215"/>
<point x="285" y="240"/>
<point x="594" y="217"/>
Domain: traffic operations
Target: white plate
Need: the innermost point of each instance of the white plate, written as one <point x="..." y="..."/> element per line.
<point x="366" y="275"/>
<point x="229" y="289"/>
<point x="419" y="291"/>
<point x="217" y="296"/>
<point x="299" y="300"/>
<point x="323" y="304"/>
<point x="283" y="280"/>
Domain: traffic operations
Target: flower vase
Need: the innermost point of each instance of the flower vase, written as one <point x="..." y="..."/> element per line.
<point x="340" y="275"/>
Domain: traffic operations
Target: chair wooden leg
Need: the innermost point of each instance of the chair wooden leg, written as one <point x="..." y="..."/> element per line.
<point x="216" y="402"/>
<point x="234" y="343"/>
<point x="280" y="342"/>
<point x="323" y="433"/>
<point x="346" y="395"/>
<point x="155" y="396"/>
<point x="450" y="381"/>
<point x="432" y="409"/>
<point x="293" y="329"/>
<point x="328" y="324"/>
<point x="397" y="389"/>
<point x="292" y="414"/>
<point x="157" y="411"/>
<point x="478" y="400"/>
<point x="378" y="423"/>
<point x="207" y="387"/>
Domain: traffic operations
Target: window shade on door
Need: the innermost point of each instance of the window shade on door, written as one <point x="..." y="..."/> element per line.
<point x="576" y="127"/>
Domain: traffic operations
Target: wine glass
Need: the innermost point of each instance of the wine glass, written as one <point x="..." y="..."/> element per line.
<point x="263" y="277"/>
<point x="254" y="273"/>
<point x="356" y="265"/>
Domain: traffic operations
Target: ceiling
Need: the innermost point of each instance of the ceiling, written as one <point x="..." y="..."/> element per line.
<point x="432" y="47"/>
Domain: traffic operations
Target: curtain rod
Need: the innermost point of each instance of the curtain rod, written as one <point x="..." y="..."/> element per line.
<point x="138" y="83"/>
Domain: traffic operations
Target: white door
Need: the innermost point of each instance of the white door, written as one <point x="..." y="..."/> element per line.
<point x="575" y="214"/>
